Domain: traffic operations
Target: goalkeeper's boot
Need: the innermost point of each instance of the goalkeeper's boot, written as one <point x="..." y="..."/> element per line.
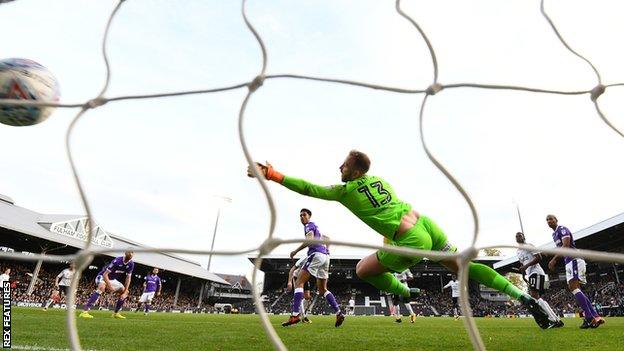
<point x="306" y="320"/>
<point x="540" y="316"/>
<point x="412" y="318"/>
<point x="85" y="314"/>
<point x="398" y="320"/>
<point x="414" y="293"/>
<point x="118" y="315"/>
<point x="292" y="320"/>
<point x="339" y="319"/>
<point x="596" y="322"/>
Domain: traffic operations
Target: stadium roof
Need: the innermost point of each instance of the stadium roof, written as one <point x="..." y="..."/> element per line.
<point x="607" y="235"/>
<point x="68" y="230"/>
<point x="236" y="281"/>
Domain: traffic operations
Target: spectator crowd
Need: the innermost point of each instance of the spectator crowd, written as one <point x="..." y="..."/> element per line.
<point x="607" y="294"/>
<point x="603" y="289"/>
<point x="21" y="276"/>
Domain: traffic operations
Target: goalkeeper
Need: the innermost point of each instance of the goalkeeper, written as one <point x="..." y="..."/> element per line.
<point x="374" y="202"/>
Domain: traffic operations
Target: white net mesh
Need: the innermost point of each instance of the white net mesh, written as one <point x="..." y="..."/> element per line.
<point x="84" y="257"/>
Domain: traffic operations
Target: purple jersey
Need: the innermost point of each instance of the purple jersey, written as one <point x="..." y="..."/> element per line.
<point x="311" y="227"/>
<point x="558" y="236"/>
<point x="152" y="283"/>
<point x="118" y="269"/>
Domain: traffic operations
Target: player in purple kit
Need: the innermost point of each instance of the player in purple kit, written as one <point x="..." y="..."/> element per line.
<point x="151" y="287"/>
<point x="317" y="265"/>
<point x="109" y="279"/>
<point x="575" y="273"/>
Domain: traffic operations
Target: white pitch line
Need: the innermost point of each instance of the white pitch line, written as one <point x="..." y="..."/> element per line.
<point x="39" y="348"/>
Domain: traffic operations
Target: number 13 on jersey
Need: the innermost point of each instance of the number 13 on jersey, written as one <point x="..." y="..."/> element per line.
<point x="381" y="197"/>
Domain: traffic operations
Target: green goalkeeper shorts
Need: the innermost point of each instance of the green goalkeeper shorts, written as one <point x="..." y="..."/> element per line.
<point x="425" y="235"/>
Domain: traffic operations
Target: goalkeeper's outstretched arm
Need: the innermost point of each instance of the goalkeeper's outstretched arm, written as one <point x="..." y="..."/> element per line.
<point x="301" y="186"/>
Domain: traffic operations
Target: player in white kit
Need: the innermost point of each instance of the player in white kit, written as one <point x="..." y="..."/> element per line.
<point x="351" y="310"/>
<point x="403" y="277"/>
<point x="61" y="286"/>
<point x="535" y="277"/>
<point x="454" y="285"/>
<point x="4" y="277"/>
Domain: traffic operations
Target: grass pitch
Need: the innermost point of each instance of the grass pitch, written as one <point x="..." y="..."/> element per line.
<point x="33" y="329"/>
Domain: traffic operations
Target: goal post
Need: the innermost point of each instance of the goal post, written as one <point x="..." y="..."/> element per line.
<point x="361" y="310"/>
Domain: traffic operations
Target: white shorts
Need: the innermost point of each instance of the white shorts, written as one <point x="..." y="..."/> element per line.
<point x="301" y="261"/>
<point x="575" y="269"/>
<point x="114" y="282"/>
<point x="298" y="265"/>
<point x="147" y="297"/>
<point x="317" y="264"/>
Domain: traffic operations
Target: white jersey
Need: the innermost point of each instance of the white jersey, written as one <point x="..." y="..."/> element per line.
<point x="454" y="284"/>
<point x="352" y="303"/>
<point x="3" y="278"/>
<point x="525" y="257"/>
<point x="404" y="276"/>
<point x="66" y="276"/>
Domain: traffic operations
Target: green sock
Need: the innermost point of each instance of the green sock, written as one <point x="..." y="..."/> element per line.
<point x="389" y="283"/>
<point x="490" y="278"/>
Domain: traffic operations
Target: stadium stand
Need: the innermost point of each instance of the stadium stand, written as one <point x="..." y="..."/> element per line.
<point x="237" y="293"/>
<point x="344" y="283"/>
<point x="26" y="231"/>
<point x="603" y="289"/>
<point x="604" y="284"/>
<point x="21" y="275"/>
<point x="185" y="283"/>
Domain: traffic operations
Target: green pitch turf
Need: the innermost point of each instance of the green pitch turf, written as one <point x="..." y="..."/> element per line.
<point x="33" y="329"/>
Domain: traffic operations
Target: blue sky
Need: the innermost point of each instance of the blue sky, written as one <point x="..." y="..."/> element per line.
<point x="151" y="167"/>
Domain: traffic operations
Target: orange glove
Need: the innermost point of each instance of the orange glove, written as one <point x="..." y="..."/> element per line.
<point x="268" y="171"/>
<point x="272" y="174"/>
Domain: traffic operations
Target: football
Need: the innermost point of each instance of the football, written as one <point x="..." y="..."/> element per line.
<point x="25" y="79"/>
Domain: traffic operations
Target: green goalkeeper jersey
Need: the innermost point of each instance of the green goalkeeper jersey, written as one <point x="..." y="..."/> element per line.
<point x="370" y="198"/>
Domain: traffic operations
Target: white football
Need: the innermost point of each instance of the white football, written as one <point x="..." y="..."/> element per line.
<point x="25" y="79"/>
